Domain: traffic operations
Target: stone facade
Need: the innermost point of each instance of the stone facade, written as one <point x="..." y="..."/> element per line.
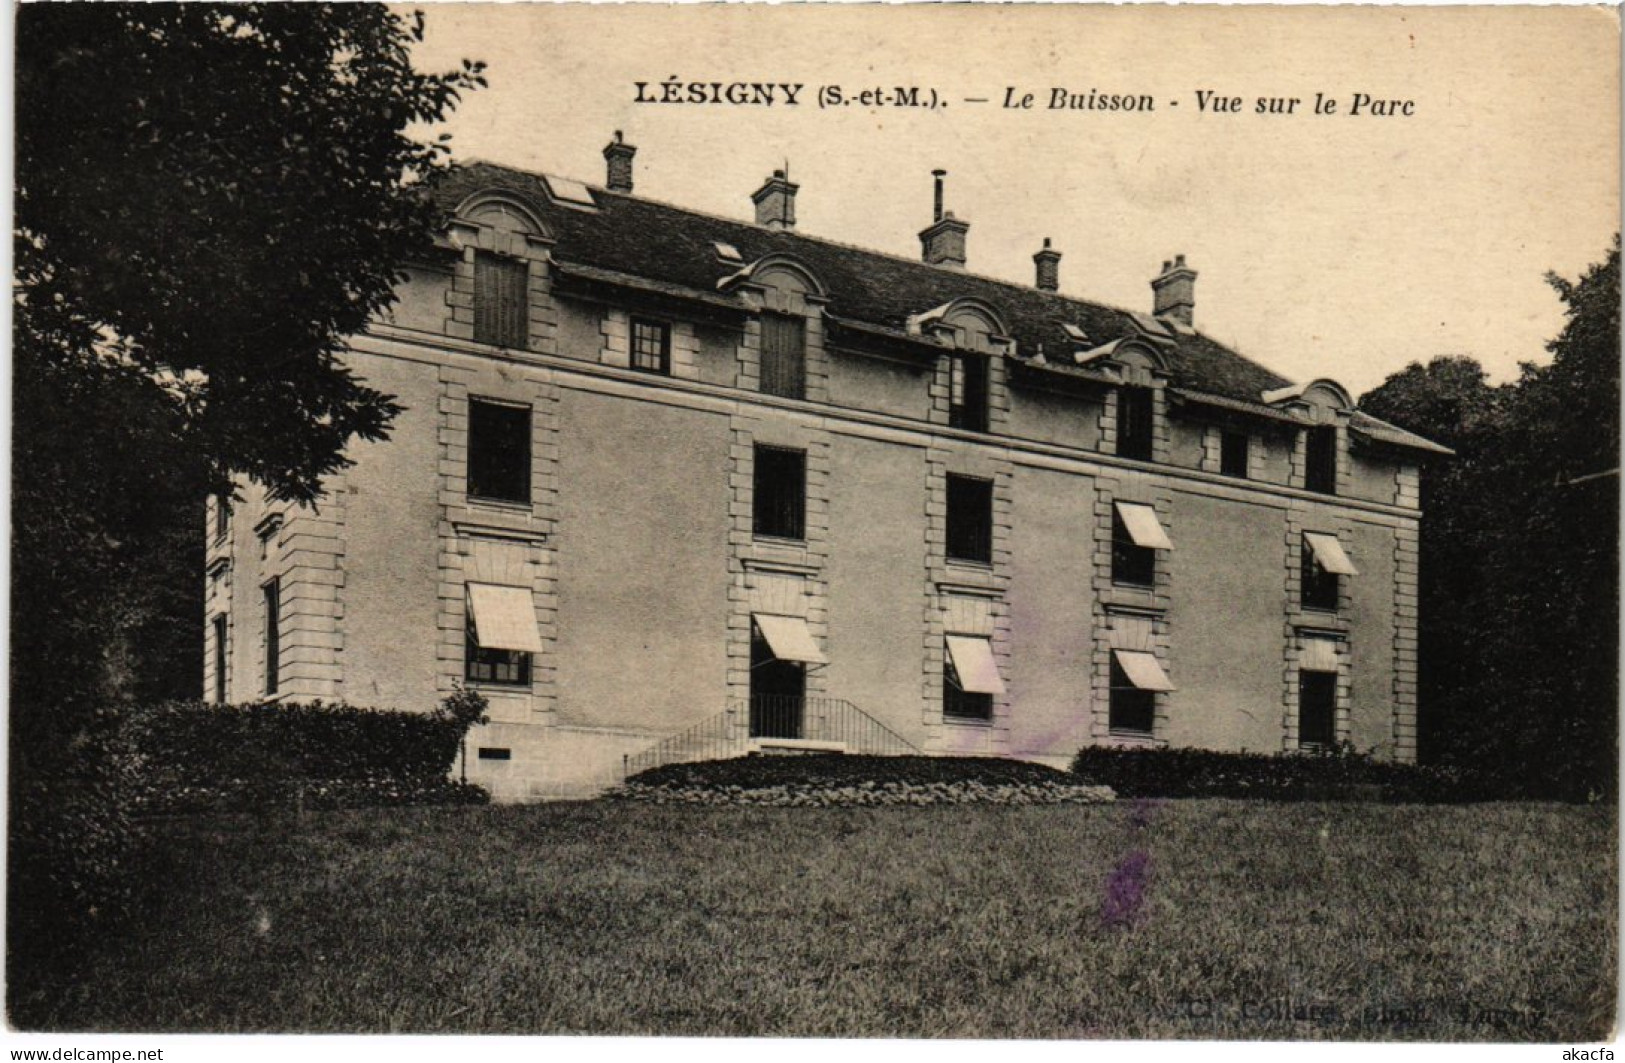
<point x="638" y="547"/>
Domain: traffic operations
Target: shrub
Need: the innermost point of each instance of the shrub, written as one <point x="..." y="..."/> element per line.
<point x="199" y="756"/>
<point x="1273" y="777"/>
<point x="839" y="779"/>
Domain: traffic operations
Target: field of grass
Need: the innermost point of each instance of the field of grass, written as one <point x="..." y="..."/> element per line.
<point x="1186" y="919"/>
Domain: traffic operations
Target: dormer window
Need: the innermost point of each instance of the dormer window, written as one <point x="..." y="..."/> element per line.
<point x="501" y="301"/>
<point x="1320" y="460"/>
<point x="1134" y="423"/>
<point x="967" y="392"/>
<point x="784" y="356"/>
<point x="1233" y="448"/>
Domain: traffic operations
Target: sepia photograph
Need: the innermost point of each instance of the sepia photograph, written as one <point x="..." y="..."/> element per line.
<point x="927" y="521"/>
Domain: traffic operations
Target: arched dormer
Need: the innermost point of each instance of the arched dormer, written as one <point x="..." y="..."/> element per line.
<point x="503" y="243"/>
<point x="502" y="211"/>
<point x="787" y="357"/>
<point x="1320" y="459"/>
<point x="966" y="324"/>
<point x="1321" y="400"/>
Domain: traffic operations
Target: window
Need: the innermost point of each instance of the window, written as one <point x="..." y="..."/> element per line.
<point x="1321" y="561"/>
<point x="970" y="519"/>
<point x="1135" y="545"/>
<point x="501" y="300"/>
<point x="501" y="634"/>
<point x="498" y="451"/>
<point x="483" y="665"/>
<point x="1133" y="709"/>
<point x="220" y="660"/>
<point x="1317" y="710"/>
<point x="651" y="346"/>
<point x="780" y="497"/>
<point x="495" y="753"/>
<point x="273" y="635"/>
<point x="1320" y="460"/>
<point x="970" y="678"/>
<point x="222" y="515"/>
<point x="784" y="356"/>
<point x="967" y="392"/>
<point x="1233" y="447"/>
<point x="1134" y="412"/>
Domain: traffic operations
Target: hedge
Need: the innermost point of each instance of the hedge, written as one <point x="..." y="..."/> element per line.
<point x="1274" y="777"/>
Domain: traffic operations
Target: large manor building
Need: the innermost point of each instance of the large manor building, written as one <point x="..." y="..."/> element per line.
<point x="670" y="485"/>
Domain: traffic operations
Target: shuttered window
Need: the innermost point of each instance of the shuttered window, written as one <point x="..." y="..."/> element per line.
<point x="784" y="356"/>
<point x="501" y="305"/>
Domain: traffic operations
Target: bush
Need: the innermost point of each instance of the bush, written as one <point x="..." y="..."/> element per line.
<point x="73" y="847"/>
<point x="198" y="756"/>
<point x="1339" y="775"/>
<point x="840" y="779"/>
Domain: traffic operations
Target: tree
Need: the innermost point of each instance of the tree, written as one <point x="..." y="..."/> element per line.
<point x="1519" y="587"/>
<point x="209" y="199"/>
<point x="225" y="193"/>
<point x="1449" y="401"/>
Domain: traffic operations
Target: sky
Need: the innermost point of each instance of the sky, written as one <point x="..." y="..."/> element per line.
<point x="1330" y="245"/>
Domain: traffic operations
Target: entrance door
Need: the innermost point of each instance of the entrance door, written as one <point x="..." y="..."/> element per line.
<point x="777" y="692"/>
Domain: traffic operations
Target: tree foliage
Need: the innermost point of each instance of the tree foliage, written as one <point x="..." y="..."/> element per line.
<point x="223" y="193"/>
<point x="1519" y="586"/>
<point x="209" y="199"/>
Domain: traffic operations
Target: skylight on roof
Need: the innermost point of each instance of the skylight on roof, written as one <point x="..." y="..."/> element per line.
<point x="1077" y="334"/>
<point x="566" y="190"/>
<point x="728" y="252"/>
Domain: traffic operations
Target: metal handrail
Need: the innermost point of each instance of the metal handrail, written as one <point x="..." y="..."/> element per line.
<point x="747" y="724"/>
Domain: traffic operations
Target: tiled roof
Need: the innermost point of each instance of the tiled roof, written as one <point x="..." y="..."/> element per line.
<point x="1363" y="424"/>
<point x="669" y="246"/>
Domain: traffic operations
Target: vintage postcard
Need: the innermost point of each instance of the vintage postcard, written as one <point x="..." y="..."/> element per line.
<point x="1031" y="522"/>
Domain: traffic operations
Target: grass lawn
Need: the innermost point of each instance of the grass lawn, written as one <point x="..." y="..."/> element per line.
<point x="1487" y="922"/>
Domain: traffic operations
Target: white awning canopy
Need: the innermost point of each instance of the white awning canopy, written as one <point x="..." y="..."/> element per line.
<point x="1318" y="655"/>
<point x="1329" y="552"/>
<point x="789" y="638"/>
<point x="1143" y="670"/>
<point x="504" y="618"/>
<point x="973" y="663"/>
<point x="1143" y="526"/>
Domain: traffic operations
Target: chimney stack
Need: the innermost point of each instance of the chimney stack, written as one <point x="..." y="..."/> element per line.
<point x="1048" y="263"/>
<point x="619" y="154"/>
<point x="1174" y="291"/>
<point x="942" y="243"/>
<point x="776" y="202"/>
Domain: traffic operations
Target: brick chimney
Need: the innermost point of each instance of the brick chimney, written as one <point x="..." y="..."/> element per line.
<point x="1048" y="263"/>
<point x="942" y="243"/>
<point x="619" y="154"/>
<point x="1174" y="291"/>
<point x="776" y="202"/>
